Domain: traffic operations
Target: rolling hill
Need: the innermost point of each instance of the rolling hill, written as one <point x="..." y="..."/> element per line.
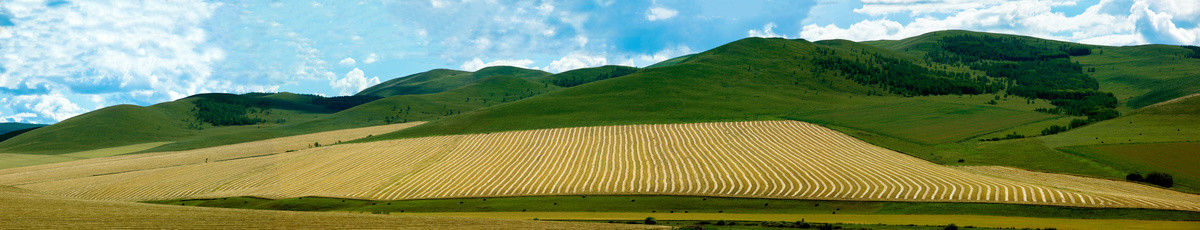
<point x="196" y="121"/>
<point x="440" y="80"/>
<point x="888" y="93"/>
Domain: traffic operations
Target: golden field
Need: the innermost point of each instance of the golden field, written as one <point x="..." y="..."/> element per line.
<point x="765" y="159"/>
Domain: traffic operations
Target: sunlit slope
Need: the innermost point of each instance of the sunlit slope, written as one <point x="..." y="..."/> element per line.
<point x="441" y="80"/>
<point x="178" y="122"/>
<point x="1163" y="137"/>
<point x="483" y="93"/>
<point x="750" y="79"/>
<point x="149" y="161"/>
<point x="769" y="159"/>
<point x="1137" y="75"/>
<point x="26" y="210"/>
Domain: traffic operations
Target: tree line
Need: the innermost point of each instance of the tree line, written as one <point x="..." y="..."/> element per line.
<point x="221" y="112"/>
<point x="902" y="76"/>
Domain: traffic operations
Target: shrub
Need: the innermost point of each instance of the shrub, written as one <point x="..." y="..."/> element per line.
<point x="1160" y="179"/>
<point x="1134" y="177"/>
<point x="951" y="227"/>
<point x="650" y="220"/>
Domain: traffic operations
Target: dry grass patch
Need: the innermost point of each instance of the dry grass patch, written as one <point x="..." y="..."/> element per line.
<point x="23" y="210"/>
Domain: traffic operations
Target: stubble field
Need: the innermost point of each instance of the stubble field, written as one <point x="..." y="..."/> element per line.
<point x="767" y="159"/>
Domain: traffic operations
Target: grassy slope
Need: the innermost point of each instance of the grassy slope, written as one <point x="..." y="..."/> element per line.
<point x="441" y="80"/>
<point x="585" y="75"/>
<point x="751" y="79"/>
<point x="1144" y="75"/>
<point x="1137" y="75"/>
<point x="672" y="61"/>
<point x="679" y="204"/>
<point x="1163" y="137"/>
<point x="123" y="125"/>
<point x="483" y="93"/>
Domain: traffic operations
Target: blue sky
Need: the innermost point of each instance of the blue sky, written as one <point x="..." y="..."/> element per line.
<point x="61" y="58"/>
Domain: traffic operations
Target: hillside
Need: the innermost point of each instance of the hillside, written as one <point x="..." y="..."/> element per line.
<point x="485" y="92"/>
<point x="440" y="80"/>
<point x="192" y="122"/>
<point x="751" y="79"/>
<point x="946" y="101"/>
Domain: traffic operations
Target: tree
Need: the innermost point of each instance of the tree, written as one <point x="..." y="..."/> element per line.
<point x="1160" y="179"/>
<point x="650" y="220"/>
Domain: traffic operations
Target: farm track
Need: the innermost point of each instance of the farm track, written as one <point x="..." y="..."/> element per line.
<point x="766" y="159"/>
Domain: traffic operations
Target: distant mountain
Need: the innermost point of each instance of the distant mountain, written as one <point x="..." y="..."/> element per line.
<point x="13" y="126"/>
<point x="441" y="80"/>
<point x="196" y="121"/>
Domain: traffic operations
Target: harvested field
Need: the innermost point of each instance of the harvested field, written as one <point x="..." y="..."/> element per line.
<point x="137" y="162"/>
<point x="767" y="159"/>
<point x="24" y="210"/>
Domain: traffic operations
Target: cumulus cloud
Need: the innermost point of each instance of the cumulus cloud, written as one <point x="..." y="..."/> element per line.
<point x="54" y="106"/>
<point x="1122" y="22"/>
<point x="371" y="58"/>
<point x="100" y="47"/>
<point x="354" y="81"/>
<point x="765" y="32"/>
<point x="664" y="54"/>
<point x="476" y="64"/>
<point x="576" y="60"/>
<point x="347" y="61"/>
<point x="660" y="13"/>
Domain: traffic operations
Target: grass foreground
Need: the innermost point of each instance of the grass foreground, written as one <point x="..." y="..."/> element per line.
<point x="650" y="204"/>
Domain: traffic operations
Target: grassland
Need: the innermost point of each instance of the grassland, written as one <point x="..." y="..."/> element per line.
<point x="11" y="160"/>
<point x="621" y="208"/>
<point x="779" y="159"/>
<point x="149" y="162"/>
<point x="678" y="204"/>
<point x="919" y="220"/>
<point x="25" y="210"/>
<point x="750" y="79"/>
<point x="441" y="80"/>
<point x="927" y="122"/>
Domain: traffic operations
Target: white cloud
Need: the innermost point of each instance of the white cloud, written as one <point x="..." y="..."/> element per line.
<point x="347" y="61"/>
<point x="765" y="32"/>
<point x="663" y="55"/>
<point x="660" y="13"/>
<point x="438" y="3"/>
<point x="20" y="117"/>
<point x="576" y="60"/>
<point x="95" y="47"/>
<point x="1123" y="22"/>
<point x="476" y="64"/>
<point x="54" y="106"/>
<point x="545" y="8"/>
<point x="371" y="58"/>
<point x="354" y="81"/>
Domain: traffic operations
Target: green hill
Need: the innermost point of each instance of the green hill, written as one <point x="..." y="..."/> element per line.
<point x="586" y="75"/>
<point x="193" y="122"/>
<point x="937" y="96"/>
<point x="485" y="92"/>
<point x="751" y="79"/>
<point x="440" y="80"/>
